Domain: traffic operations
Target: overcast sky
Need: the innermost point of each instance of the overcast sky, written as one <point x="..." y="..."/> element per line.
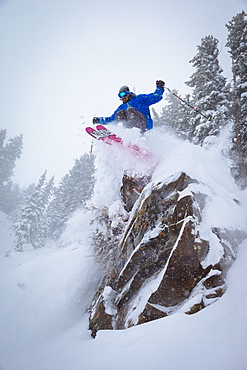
<point x="62" y="60"/>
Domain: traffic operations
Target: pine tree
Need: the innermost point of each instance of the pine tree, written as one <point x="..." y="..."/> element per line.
<point x="171" y="112"/>
<point x="74" y="189"/>
<point x="185" y="125"/>
<point x="237" y="43"/>
<point x="24" y="194"/>
<point x="175" y="116"/>
<point x="156" y="118"/>
<point x="9" y="152"/>
<point x="210" y="94"/>
<point x="30" y="229"/>
<point x="45" y="195"/>
<point x="11" y="197"/>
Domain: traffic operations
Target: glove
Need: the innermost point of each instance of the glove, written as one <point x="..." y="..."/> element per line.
<point x="160" y="83"/>
<point x="95" y="120"/>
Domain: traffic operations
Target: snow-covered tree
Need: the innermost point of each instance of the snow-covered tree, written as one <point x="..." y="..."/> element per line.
<point x="210" y="92"/>
<point x="170" y="114"/>
<point x="11" y="197"/>
<point x="10" y="151"/>
<point x="20" y="196"/>
<point x="74" y="189"/>
<point x="31" y="226"/>
<point x="237" y="43"/>
<point x="176" y="115"/>
<point x="156" y="118"/>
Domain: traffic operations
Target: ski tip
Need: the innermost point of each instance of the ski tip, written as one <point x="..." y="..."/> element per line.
<point x="89" y="129"/>
<point x="101" y="127"/>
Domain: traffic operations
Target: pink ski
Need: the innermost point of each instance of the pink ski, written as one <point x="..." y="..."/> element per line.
<point x="103" y="134"/>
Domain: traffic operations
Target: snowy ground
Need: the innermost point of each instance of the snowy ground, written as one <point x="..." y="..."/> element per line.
<point x="45" y="293"/>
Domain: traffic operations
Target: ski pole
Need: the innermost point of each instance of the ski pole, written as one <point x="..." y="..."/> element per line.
<point x="196" y="110"/>
<point x="91" y="148"/>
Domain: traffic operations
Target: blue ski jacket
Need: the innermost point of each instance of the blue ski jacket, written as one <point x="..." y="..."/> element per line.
<point x="141" y="103"/>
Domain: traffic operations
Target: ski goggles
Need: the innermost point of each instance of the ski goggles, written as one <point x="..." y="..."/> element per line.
<point x="122" y="94"/>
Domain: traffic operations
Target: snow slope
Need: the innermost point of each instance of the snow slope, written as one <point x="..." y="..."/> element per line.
<point x="45" y="293"/>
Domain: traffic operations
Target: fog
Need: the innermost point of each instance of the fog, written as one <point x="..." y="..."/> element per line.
<point x="63" y="62"/>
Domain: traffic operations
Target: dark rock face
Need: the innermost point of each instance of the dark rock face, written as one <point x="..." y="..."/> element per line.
<point x="162" y="263"/>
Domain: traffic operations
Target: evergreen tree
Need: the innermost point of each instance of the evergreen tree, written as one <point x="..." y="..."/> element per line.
<point x="175" y="116"/>
<point x="45" y="194"/>
<point x="74" y="189"/>
<point x="210" y="94"/>
<point x="156" y="118"/>
<point x="170" y="114"/>
<point x="9" y="152"/>
<point x="30" y="229"/>
<point x="11" y="197"/>
<point x="237" y="43"/>
<point x="185" y="125"/>
<point x="24" y="194"/>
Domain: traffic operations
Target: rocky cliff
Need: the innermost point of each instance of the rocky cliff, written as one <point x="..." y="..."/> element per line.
<point x="165" y="258"/>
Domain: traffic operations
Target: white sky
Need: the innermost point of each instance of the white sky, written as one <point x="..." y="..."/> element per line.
<point x="61" y="60"/>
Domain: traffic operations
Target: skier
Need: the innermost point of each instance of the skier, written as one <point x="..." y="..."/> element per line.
<point x="134" y="111"/>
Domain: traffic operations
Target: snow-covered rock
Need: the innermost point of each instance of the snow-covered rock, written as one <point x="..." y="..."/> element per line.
<point x="45" y="292"/>
<point x="170" y="258"/>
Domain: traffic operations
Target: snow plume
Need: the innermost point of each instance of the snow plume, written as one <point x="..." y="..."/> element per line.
<point x="115" y="160"/>
<point x="208" y="164"/>
<point x="45" y="292"/>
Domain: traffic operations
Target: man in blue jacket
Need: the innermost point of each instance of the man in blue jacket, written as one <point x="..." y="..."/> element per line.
<point x="134" y="111"/>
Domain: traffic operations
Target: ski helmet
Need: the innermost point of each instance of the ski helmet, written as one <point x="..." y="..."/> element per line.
<point x="124" y="88"/>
